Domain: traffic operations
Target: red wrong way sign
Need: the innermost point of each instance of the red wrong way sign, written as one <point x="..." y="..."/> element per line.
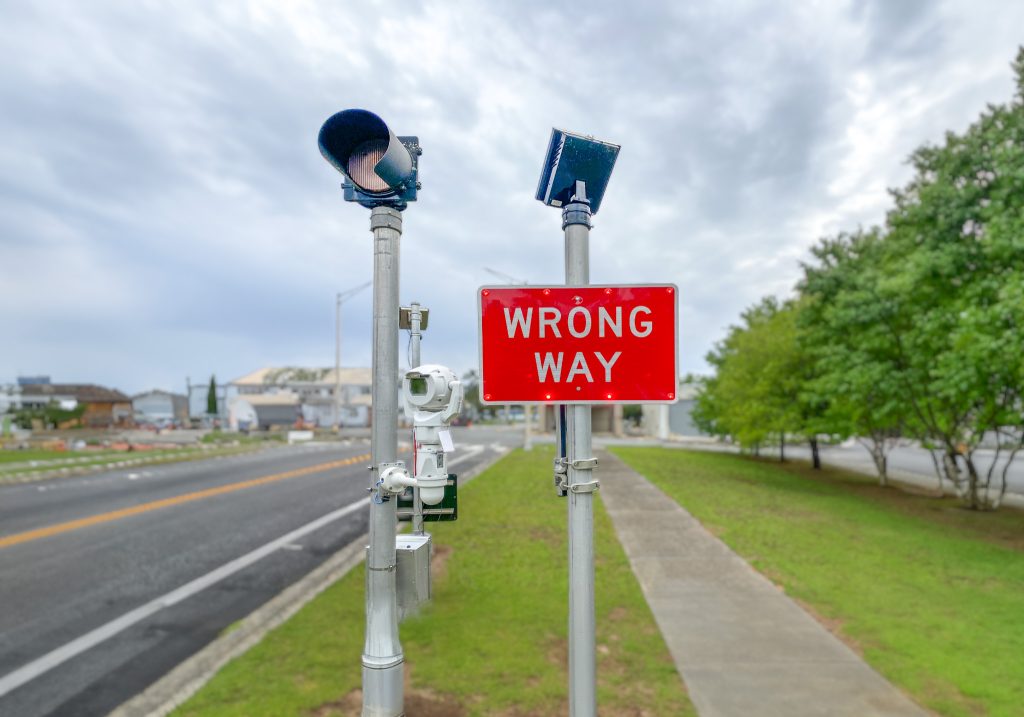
<point x="578" y="344"/>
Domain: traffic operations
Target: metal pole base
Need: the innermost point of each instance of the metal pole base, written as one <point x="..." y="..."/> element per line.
<point x="386" y="683"/>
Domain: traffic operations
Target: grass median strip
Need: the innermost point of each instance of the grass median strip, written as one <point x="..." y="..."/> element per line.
<point x="493" y="642"/>
<point x="932" y="595"/>
<point x="14" y="471"/>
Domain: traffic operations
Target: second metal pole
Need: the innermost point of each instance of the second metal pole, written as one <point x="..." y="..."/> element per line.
<point x="415" y="320"/>
<point x="582" y="644"/>
<point x="382" y="652"/>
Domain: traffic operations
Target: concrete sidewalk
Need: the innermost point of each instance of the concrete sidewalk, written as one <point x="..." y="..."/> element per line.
<point x="742" y="647"/>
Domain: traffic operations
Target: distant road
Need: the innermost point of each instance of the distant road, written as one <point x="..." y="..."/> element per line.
<point x="911" y="464"/>
<point x="108" y="581"/>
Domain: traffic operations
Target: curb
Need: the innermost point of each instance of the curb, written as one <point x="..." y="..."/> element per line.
<point x="177" y="686"/>
<point x="174" y="688"/>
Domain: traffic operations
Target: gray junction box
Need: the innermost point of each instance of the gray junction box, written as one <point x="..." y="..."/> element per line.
<point x="412" y="577"/>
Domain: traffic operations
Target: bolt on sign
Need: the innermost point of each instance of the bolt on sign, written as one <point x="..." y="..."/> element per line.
<point x="578" y="344"/>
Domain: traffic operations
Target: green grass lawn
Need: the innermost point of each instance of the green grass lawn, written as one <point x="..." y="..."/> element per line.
<point x="20" y="462"/>
<point x="7" y="456"/>
<point x="493" y="642"/>
<point x="931" y="594"/>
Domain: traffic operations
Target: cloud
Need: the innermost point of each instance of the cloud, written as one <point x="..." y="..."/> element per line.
<point x="164" y="211"/>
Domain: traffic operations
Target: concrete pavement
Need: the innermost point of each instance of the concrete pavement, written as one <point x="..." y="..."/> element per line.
<point x="742" y="646"/>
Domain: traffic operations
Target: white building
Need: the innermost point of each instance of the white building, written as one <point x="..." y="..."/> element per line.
<point x="309" y="391"/>
<point x="675" y="419"/>
<point x="10" y="397"/>
<point x="158" y="407"/>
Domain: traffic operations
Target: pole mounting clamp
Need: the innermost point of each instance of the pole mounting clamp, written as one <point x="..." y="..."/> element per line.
<point x="588" y="487"/>
<point x="584" y="464"/>
<point x="386" y="218"/>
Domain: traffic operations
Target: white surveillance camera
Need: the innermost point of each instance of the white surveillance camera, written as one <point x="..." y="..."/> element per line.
<point x="429" y="388"/>
<point x="433" y="397"/>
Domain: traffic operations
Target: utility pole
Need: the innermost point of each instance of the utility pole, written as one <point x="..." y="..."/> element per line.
<point x="416" y="316"/>
<point x="340" y="298"/>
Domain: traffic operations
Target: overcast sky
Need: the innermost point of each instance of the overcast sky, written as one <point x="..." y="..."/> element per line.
<point x="164" y="211"/>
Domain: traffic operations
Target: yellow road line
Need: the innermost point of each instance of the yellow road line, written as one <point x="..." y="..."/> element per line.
<point x="67" y="527"/>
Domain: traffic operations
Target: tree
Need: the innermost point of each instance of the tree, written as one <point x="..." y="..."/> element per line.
<point x="952" y="272"/>
<point x="757" y="392"/>
<point x="51" y="416"/>
<point x="471" y="393"/>
<point x="211" y="397"/>
<point x="919" y="327"/>
<point x="857" y="372"/>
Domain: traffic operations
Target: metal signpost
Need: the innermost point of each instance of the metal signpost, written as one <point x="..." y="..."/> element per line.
<point x="414" y="318"/>
<point x="574" y="346"/>
<point x="380" y="170"/>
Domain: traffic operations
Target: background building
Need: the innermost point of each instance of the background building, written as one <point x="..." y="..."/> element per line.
<point x="310" y="391"/>
<point x="160" y="407"/>
<point x="104" y="407"/>
<point x="674" y="420"/>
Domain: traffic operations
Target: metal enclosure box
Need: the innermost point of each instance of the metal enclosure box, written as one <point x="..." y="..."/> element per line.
<point x="412" y="572"/>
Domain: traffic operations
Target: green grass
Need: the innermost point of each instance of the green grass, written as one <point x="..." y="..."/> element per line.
<point x="933" y="595"/>
<point x="72" y="460"/>
<point x="494" y="639"/>
<point x="218" y="437"/>
<point x="17" y="456"/>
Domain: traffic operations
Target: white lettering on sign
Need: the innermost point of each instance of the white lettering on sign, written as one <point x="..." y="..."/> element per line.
<point x="573" y="313"/>
<point x="605" y="319"/>
<point x="579" y="366"/>
<point x="518" y="320"/>
<point x="647" y="325"/>
<point x="579" y="322"/>
<point x="608" y="364"/>
<point x="550" y="366"/>
<point x="555" y="315"/>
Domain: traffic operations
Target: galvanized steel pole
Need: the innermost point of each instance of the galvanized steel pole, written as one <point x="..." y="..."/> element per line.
<point x="337" y="361"/>
<point x="382" y="652"/>
<point x="581" y="487"/>
<point x="415" y="320"/>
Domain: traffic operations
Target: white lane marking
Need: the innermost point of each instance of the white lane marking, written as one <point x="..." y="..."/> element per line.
<point x="62" y="654"/>
<point x="471" y="452"/>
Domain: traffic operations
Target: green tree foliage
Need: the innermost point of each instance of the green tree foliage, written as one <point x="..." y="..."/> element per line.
<point x="761" y="370"/>
<point x="951" y="280"/>
<point x="211" y="397"/>
<point x="916" y="328"/>
<point x="50" y="415"/>
<point x="852" y="345"/>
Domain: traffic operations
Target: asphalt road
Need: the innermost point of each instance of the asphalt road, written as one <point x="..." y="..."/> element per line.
<point x="914" y="464"/>
<point x="108" y="581"/>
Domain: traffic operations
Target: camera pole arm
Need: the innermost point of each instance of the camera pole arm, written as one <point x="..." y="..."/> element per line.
<point x="454" y="403"/>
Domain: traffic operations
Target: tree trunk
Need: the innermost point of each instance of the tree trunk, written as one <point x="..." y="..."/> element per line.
<point x="815" y="458"/>
<point x="782" y="448"/>
<point x="965" y="489"/>
<point x="978" y="494"/>
<point x="881" y="462"/>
